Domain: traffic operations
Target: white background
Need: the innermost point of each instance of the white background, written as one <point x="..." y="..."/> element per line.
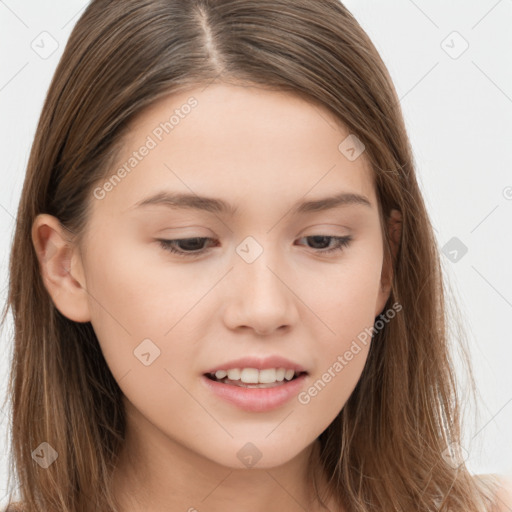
<point x="458" y="113"/>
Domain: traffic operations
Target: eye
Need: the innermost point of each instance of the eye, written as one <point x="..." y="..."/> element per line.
<point x="341" y="242"/>
<point x="194" y="247"/>
<point x="191" y="246"/>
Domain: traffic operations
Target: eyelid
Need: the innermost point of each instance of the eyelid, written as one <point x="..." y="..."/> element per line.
<point x="342" y="242"/>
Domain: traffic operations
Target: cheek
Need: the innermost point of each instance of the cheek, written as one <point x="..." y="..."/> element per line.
<point x="132" y="302"/>
<point x="329" y="389"/>
<point x="344" y="294"/>
<point x="149" y="318"/>
<point x="345" y="302"/>
<point x="138" y="284"/>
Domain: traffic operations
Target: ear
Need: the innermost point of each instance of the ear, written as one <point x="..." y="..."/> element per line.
<point x="59" y="261"/>
<point x="394" y="226"/>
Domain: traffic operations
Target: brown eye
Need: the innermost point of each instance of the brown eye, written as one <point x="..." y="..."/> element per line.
<point x="341" y="242"/>
<point x="189" y="246"/>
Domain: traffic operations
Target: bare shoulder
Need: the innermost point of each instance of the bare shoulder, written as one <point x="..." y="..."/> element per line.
<point x="504" y="493"/>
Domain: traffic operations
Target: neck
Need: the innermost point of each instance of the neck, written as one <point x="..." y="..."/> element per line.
<point x="156" y="474"/>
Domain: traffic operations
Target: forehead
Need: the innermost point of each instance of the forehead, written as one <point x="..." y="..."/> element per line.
<point x="247" y="145"/>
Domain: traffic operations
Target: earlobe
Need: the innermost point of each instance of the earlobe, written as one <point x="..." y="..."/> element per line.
<point x="58" y="261"/>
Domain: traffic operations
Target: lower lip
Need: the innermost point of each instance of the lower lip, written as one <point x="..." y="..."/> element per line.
<point x="256" y="399"/>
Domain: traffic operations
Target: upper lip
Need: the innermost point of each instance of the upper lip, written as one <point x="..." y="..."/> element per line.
<point x="260" y="363"/>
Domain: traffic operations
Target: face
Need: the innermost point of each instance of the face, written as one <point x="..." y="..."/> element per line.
<point x="274" y="277"/>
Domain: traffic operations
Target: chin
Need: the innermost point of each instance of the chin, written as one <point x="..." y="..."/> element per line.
<point x="257" y="454"/>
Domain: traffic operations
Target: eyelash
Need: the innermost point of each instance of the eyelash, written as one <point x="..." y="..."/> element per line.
<point x="168" y="245"/>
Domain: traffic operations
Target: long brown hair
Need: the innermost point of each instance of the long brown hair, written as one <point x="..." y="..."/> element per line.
<point x="386" y="450"/>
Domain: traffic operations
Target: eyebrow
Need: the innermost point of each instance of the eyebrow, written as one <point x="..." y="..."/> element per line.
<point x="214" y="205"/>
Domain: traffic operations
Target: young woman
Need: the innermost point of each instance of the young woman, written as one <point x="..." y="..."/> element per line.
<point x="225" y="286"/>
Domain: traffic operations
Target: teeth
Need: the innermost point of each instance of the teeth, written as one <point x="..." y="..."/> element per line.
<point x="289" y="374"/>
<point x="267" y="376"/>
<point x="255" y="376"/>
<point x="249" y="375"/>
<point x="234" y="374"/>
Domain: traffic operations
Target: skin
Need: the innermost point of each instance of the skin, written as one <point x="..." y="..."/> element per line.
<point x="261" y="151"/>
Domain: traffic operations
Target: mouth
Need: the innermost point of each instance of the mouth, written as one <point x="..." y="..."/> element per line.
<point x="253" y="390"/>
<point x="254" y="378"/>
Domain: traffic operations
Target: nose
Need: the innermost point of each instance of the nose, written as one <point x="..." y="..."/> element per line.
<point x="260" y="298"/>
